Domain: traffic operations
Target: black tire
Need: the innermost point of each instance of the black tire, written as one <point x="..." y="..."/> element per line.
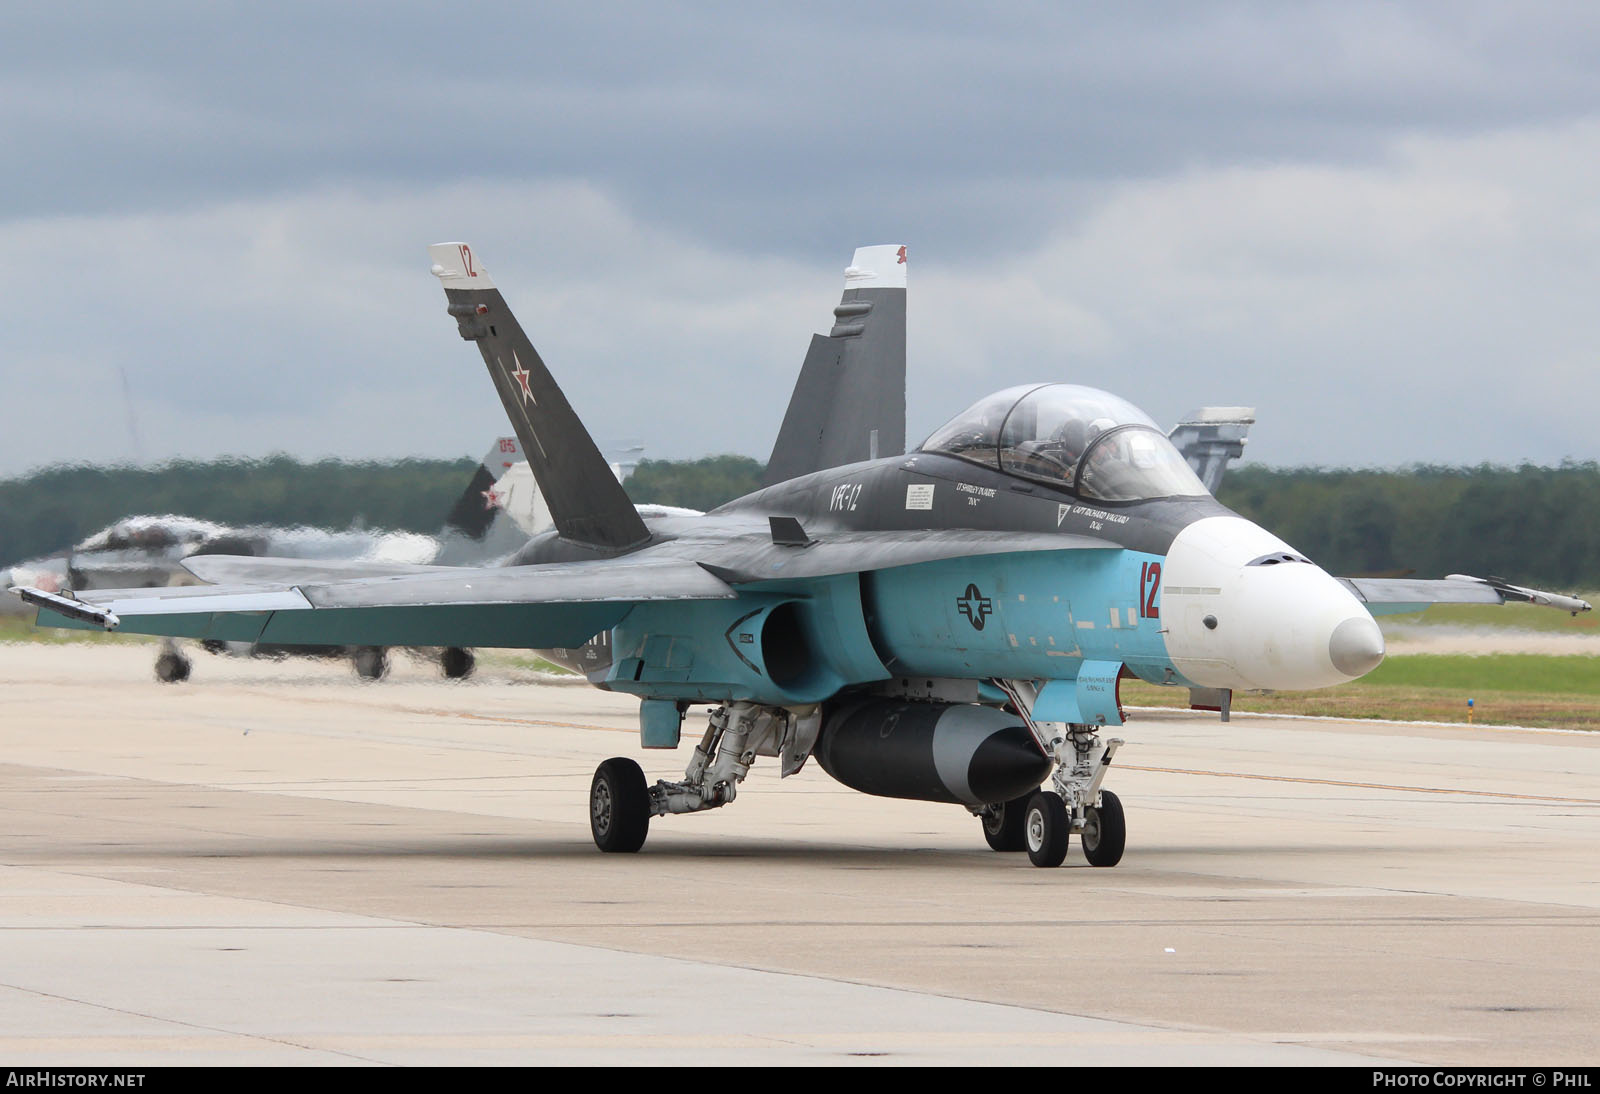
<point x="1047" y="829"/>
<point x="371" y="662"/>
<point x="1105" y="831"/>
<point x="1005" y="825"/>
<point x="457" y="663"/>
<point x="619" y="806"/>
<point x="172" y="668"/>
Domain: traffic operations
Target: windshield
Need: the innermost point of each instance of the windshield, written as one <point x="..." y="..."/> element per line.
<point x="1080" y="438"/>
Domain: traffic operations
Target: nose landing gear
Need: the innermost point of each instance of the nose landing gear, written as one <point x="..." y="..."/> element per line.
<point x="1074" y="802"/>
<point x="1077" y="804"/>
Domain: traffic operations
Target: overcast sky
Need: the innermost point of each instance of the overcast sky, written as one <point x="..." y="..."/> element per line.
<point x="1378" y="223"/>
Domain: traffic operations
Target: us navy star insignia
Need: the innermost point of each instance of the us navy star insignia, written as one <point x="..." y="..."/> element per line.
<point x="975" y="606"/>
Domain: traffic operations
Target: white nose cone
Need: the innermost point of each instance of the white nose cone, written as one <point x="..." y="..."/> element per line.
<point x="1242" y="609"/>
<point x="1356" y="647"/>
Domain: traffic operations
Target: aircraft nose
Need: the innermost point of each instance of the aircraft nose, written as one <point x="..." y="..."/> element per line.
<point x="1242" y="609"/>
<point x="1356" y="647"/>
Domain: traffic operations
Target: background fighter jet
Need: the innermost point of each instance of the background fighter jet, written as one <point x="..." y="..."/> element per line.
<point x="487" y="522"/>
<point x="949" y="624"/>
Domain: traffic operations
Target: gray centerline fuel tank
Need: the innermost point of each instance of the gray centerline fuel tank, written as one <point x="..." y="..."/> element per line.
<point x="939" y="752"/>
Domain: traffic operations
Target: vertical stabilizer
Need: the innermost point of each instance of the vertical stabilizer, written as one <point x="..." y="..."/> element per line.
<point x="1212" y="437"/>
<point x="484" y="524"/>
<point x="849" y="403"/>
<point x="475" y="510"/>
<point x="587" y="503"/>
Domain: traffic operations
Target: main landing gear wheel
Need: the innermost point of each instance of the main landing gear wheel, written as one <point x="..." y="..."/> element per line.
<point x="1105" y="831"/>
<point x="1048" y="827"/>
<point x="371" y="662"/>
<point x="172" y="667"/>
<point x="619" y="806"/>
<point x="457" y="663"/>
<point x="1005" y="825"/>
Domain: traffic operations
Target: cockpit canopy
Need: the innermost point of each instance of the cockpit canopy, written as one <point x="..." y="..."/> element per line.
<point x="150" y="533"/>
<point x="1080" y="438"/>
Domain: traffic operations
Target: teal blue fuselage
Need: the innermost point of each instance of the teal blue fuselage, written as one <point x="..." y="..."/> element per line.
<point x="1039" y="615"/>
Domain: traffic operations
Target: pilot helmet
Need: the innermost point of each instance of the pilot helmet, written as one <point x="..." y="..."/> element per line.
<point x="1074" y="435"/>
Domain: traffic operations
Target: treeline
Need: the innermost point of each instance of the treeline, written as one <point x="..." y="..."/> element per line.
<point x="695" y="484"/>
<point x="1527" y="524"/>
<point x="1532" y="524"/>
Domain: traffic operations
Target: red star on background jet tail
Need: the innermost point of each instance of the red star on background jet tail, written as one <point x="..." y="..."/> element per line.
<point x="520" y="375"/>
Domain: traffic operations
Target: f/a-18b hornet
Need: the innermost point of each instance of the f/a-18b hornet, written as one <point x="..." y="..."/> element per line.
<point x="949" y="624"/>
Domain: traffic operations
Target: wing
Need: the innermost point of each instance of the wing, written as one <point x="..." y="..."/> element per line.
<point x="1400" y="595"/>
<point x="521" y="607"/>
<point x="254" y="570"/>
<point x="309" y="602"/>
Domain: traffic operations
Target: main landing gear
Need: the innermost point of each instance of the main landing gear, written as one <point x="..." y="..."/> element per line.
<point x="1043" y="823"/>
<point x="619" y="806"/>
<point x="172" y="667"/>
<point x="370" y="662"/>
<point x="456" y="663"/>
<point x="621" y="803"/>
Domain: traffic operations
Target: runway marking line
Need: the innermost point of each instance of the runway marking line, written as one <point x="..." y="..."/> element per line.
<point x="513" y="720"/>
<point x="1361" y="785"/>
<point x="437" y="713"/>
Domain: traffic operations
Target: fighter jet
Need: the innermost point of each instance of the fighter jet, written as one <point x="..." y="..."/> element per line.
<point x="949" y="624"/>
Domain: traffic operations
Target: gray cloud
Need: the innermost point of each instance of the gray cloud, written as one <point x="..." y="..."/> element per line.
<point x="1373" y="220"/>
<point x="718" y="118"/>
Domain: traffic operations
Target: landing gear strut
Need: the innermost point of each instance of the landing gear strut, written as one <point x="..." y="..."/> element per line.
<point x="621" y="805"/>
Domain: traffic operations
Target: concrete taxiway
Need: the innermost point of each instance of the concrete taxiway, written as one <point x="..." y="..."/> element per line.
<point x="275" y="863"/>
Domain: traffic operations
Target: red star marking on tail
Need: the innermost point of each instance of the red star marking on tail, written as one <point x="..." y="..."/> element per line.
<point x="491" y="498"/>
<point x="901" y="257"/>
<point x="520" y="375"/>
